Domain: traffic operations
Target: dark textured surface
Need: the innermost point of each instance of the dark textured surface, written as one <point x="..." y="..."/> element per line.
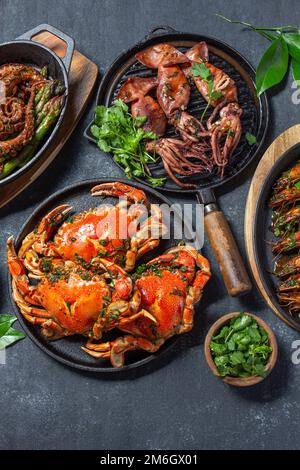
<point x="181" y="405"/>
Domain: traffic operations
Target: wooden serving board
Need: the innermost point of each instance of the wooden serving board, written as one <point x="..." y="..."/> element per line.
<point x="282" y="143"/>
<point x="82" y="79"/>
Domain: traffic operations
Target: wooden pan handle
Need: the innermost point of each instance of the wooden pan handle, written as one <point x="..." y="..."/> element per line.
<point x="227" y="253"/>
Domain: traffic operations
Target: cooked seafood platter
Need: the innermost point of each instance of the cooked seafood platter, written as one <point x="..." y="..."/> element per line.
<point x="277" y="236"/>
<point x="30" y="107"/>
<point x="196" y="105"/>
<point x="72" y="275"/>
<point x="33" y="99"/>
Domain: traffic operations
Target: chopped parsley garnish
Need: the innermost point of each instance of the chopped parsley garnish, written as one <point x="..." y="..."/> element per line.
<point x="46" y="265"/>
<point x="202" y="71"/>
<point x="251" y="139"/>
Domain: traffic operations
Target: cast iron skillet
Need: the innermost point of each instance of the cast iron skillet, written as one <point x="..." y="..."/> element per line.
<point x="262" y="234"/>
<point x="68" y="350"/>
<point x="25" y="51"/>
<point x="255" y="120"/>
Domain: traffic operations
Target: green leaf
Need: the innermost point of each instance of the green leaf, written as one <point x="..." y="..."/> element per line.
<point x="140" y="120"/>
<point x="241" y="322"/>
<point x="254" y="333"/>
<point x="296" y="71"/>
<point x="215" y="95"/>
<point x="231" y="345"/>
<point x="156" y="182"/>
<point x="10" y="337"/>
<point x="7" y="319"/>
<point x="297" y="185"/>
<point x="259" y="369"/>
<point x="251" y="139"/>
<point x="293" y="42"/>
<point x="236" y="357"/>
<point x="218" y="349"/>
<point x="200" y="70"/>
<point x="272" y="66"/>
<point x="5" y="323"/>
<point x="222" y="334"/>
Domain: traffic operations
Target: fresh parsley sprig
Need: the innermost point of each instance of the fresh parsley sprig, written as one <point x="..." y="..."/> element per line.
<point x="284" y="49"/>
<point x="202" y="71"/>
<point x="118" y="133"/>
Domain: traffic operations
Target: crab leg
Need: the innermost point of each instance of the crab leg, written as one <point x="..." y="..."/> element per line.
<point x="117" y="315"/>
<point x="195" y="290"/>
<point x="146" y="238"/>
<point x="115" y="350"/>
<point x="26" y="306"/>
<point x="193" y="296"/>
<point x="17" y="270"/>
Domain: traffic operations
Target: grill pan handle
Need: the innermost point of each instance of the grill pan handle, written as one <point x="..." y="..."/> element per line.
<point x="225" y="250"/>
<point x="70" y="43"/>
<point x="161" y="29"/>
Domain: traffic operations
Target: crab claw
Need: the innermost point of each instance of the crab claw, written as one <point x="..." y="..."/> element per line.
<point x="38" y="240"/>
<point x="115" y="350"/>
<point x="121" y="190"/>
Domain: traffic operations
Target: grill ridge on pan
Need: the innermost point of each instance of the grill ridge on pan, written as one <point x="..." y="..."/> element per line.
<point x="197" y="104"/>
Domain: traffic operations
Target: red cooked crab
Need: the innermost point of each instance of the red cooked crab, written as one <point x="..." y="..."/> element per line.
<point x="69" y="299"/>
<point x="167" y="289"/>
<point x="120" y="233"/>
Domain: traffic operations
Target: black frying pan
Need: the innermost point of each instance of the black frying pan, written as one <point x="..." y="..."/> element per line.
<point x="68" y="350"/>
<point x="25" y="51"/>
<point x="262" y="234"/>
<point x="254" y="120"/>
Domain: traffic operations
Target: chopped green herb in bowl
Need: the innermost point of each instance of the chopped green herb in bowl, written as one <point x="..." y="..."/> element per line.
<point x="241" y="349"/>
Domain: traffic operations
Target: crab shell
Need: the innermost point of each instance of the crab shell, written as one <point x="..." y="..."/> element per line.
<point x="168" y="290"/>
<point x="67" y="298"/>
<point x="121" y="233"/>
<point x="74" y="302"/>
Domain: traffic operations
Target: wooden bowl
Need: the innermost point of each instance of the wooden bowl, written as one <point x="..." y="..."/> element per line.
<point x="238" y="381"/>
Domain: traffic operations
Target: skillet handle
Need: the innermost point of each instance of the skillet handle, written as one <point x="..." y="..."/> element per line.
<point x="226" y="251"/>
<point x="70" y="43"/>
<point x="161" y="29"/>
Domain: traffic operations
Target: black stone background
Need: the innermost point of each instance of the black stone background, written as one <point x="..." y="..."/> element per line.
<point x="181" y="405"/>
